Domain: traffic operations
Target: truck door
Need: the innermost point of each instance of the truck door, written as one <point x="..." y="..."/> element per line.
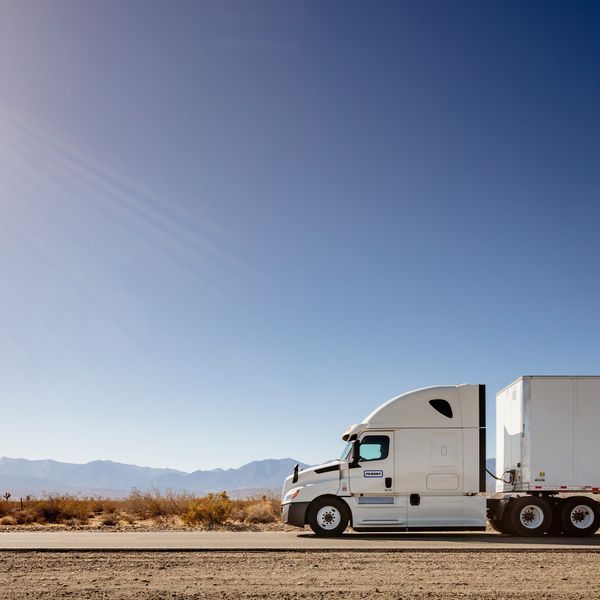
<point x="375" y="470"/>
<point x="373" y="501"/>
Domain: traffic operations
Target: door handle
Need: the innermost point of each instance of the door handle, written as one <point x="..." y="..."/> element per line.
<point x="415" y="499"/>
<point x="388" y="482"/>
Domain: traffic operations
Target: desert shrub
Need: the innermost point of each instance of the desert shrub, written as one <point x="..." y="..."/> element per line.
<point x="152" y="504"/>
<point x="144" y="505"/>
<point x="128" y="518"/>
<point x="62" y="508"/>
<point x="260" y="512"/>
<point x="25" y="517"/>
<point x="51" y="510"/>
<point x="238" y="511"/>
<point x="166" y="508"/>
<point x="103" y="505"/>
<point x="110" y="519"/>
<point x="8" y="520"/>
<point x="213" y="509"/>
<point x="177" y="504"/>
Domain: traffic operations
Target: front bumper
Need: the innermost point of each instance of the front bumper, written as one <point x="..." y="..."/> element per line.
<point x="294" y="513"/>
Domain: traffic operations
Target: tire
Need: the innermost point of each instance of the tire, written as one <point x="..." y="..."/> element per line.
<point x="328" y="516"/>
<point x="501" y="526"/>
<point x="580" y="516"/>
<point x="529" y="516"/>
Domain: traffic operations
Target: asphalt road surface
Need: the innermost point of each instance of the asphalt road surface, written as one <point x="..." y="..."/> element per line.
<point x="284" y="541"/>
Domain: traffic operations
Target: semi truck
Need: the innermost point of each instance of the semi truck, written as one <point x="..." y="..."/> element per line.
<point x="418" y="463"/>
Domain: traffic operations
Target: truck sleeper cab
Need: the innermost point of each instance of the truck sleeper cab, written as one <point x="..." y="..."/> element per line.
<point x="417" y="463"/>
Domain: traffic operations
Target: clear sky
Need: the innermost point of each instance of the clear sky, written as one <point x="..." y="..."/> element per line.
<point x="228" y="230"/>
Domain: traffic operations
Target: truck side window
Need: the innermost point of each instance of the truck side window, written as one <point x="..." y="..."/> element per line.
<point x="374" y="447"/>
<point x="442" y="406"/>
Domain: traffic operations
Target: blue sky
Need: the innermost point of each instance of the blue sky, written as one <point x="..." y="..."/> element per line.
<point x="228" y="230"/>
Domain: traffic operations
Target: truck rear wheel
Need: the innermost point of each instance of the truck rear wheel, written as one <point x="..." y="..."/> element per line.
<point x="328" y="516"/>
<point x="501" y="525"/>
<point x="580" y="516"/>
<point x="529" y="516"/>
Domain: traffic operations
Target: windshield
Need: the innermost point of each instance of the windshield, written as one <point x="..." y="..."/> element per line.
<point x="346" y="451"/>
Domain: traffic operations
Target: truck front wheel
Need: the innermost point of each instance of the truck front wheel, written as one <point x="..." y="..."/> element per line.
<point x="328" y="516"/>
<point x="580" y="516"/>
<point x="529" y="516"/>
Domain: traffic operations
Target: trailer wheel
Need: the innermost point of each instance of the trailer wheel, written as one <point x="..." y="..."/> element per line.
<point x="529" y="516"/>
<point x="328" y="516"/>
<point x="580" y="516"/>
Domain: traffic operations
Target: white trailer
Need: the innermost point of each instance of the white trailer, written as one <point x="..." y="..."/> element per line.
<point x="417" y="462"/>
<point x="547" y="433"/>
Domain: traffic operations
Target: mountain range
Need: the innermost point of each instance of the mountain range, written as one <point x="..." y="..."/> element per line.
<point x="21" y="477"/>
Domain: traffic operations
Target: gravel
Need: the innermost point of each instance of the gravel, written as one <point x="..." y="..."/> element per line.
<point x="385" y="575"/>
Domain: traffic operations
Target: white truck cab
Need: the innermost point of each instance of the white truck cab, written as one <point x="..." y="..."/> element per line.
<point x="415" y="463"/>
<point x="418" y="463"/>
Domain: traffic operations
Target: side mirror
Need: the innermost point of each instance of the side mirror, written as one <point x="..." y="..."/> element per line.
<point x="354" y="454"/>
<point x="295" y="477"/>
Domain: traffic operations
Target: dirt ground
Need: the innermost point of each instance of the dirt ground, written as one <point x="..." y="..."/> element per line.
<point x="385" y="575"/>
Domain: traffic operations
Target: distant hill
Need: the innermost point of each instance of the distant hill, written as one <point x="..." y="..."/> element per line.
<point x="21" y="477"/>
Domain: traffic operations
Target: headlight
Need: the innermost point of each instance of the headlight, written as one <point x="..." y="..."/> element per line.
<point x="291" y="495"/>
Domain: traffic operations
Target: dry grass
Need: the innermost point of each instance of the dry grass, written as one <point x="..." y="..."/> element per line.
<point x="263" y="511"/>
<point x="214" y="509"/>
<point x="146" y="508"/>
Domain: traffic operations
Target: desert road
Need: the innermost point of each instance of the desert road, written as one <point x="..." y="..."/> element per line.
<point x="206" y="541"/>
